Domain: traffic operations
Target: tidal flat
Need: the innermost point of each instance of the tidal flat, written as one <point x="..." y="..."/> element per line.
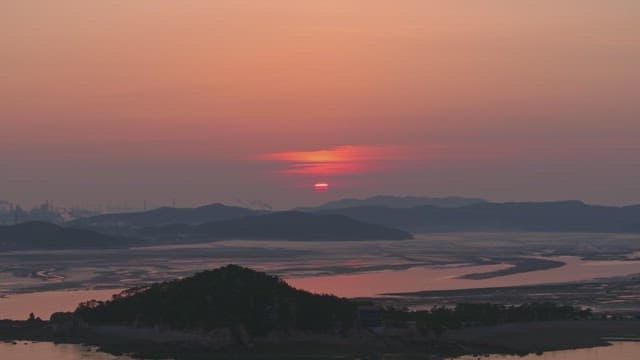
<point x="596" y="270"/>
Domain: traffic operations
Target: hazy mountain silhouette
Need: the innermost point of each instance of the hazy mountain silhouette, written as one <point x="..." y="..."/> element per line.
<point x="352" y="223"/>
<point x="288" y="225"/>
<point x="397" y="202"/>
<point x="561" y="216"/>
<point x="47" y="236"/>
<point x="283" y="225"/>
<point x="165" y="216"/>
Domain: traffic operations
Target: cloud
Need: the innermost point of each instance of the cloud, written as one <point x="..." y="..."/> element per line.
<point x="337" y="161"/>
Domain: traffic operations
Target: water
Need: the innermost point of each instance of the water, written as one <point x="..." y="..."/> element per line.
<point x="43" y="304"/>
<point x="359" y="284"/>
<point x="51" y="351"/>
<point x="427" y="256"/>
<point x="349" y="269"/>
<point x="33" y="271"/>
<point x="617" y="351"/>
<point x="342" y="268"/>
<point x="449" y="278"/>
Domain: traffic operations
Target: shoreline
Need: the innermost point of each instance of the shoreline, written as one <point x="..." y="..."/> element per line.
<point x="611" y="295"/>
<point x="508" y="339"/>
<point x="618" y="295"/>
<point x="536" y="337"/>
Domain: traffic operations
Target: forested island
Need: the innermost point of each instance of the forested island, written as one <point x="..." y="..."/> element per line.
<point x="239" y="311"/>
<point x="236" y="296"/>
<point x="231" y="296"/>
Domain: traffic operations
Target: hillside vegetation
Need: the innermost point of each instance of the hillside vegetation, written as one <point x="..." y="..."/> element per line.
<point x="230" y="296"/>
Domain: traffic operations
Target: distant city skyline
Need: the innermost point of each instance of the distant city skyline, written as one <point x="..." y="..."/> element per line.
<point x="240" y="101"/>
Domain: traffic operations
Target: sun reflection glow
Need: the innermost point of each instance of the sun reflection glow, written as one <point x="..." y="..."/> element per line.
<point x="339" y="161"/>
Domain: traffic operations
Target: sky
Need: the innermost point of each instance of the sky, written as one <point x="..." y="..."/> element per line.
<point x="120" y="102"/>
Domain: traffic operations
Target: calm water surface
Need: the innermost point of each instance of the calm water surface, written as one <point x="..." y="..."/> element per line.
<point x="617" y="351"/>
<point x="365" y="284"/>
<point x="50" y="351"/>
<point x="449" y="278"/>
<point x="43" y="304"/>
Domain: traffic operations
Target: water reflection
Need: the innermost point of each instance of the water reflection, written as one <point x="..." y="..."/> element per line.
<point x="617" y="351"/>
<point x="51" y="351"/>
<point x="358" y="284"/>
<point x="450" y="278"/>
<point x="43" y="304"/>
<point x="46" y="350"/>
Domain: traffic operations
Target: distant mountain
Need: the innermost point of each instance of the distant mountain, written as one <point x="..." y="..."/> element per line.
<point x="46" y="236"/>
<point x="398" y="202"/>
<point x="228" y="297"/>
<point x="284" y="225"/>
<point x="164" y="216"/>
<point x="288" y="225"/>
<point x="562" y="216"/>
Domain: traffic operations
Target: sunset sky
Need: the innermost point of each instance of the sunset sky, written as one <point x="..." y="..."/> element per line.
<point x="110" y="101"/>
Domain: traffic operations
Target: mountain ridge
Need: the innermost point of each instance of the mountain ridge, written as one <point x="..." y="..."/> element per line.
<point x="286" y="225"/>
<point x="393" y="201"/>
<point x="555" y="216"/>
<point x="165" y="216"/>
<point x="47" y="236"/>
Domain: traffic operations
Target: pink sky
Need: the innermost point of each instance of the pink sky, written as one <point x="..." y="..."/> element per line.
<point x="113" y="101"/>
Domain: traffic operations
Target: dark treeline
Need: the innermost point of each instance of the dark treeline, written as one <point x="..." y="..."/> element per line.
<point x="439" y="319"/>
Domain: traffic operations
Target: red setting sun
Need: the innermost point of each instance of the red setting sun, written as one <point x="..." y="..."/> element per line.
<point x="321" y="187"/>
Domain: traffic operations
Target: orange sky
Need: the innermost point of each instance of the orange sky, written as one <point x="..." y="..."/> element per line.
<point x="154" y="99"/>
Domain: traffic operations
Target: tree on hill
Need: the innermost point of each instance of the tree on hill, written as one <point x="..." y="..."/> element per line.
<point x="224" y="297"/>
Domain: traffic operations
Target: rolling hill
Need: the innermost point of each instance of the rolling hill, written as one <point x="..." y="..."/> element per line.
<point x="46" y="236"/>
<point x="164" y="216"/>
<point x="230" y="296"/>
<point x="398" y="202"/>
<point x="561" y="216"/>
<point x="288" y="225"/>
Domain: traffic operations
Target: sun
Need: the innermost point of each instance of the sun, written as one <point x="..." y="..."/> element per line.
<point x="321" y="187"/>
